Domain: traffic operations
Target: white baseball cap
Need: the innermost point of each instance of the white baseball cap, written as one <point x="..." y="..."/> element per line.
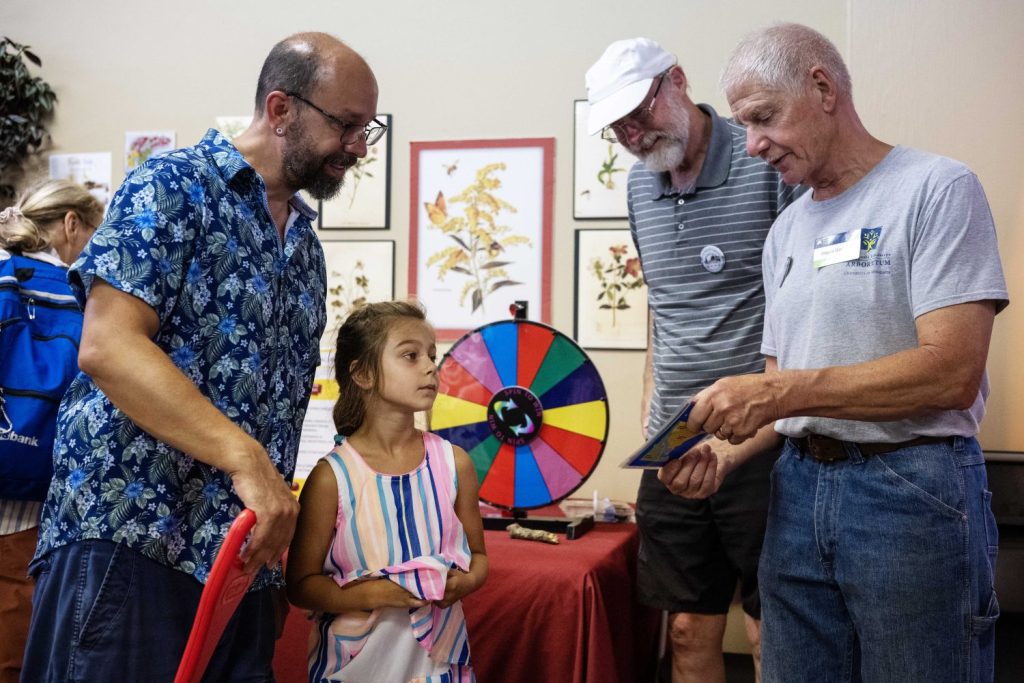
<point x="618" y="82"/>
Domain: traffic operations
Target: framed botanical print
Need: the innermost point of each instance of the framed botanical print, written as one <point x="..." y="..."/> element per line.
<point x="364" y="202"/>
<point x="611" y="296"/>
<point x="358" y="272"/>
<point x="480" y="230"/>
<point x="600" y="171"/>
<point x="141" y="145"/>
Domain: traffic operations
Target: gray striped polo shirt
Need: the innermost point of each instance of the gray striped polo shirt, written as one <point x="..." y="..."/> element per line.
<point x="701" y="257"/>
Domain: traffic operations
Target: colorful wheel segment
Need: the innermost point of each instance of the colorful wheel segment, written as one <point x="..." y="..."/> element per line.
<point x="528" y="406"/>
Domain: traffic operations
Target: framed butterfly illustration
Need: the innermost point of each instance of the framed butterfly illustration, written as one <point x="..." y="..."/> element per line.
<point x="480" y="240"/>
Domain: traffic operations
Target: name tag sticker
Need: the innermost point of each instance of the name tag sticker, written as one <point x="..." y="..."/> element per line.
<point x="843" y="246"/>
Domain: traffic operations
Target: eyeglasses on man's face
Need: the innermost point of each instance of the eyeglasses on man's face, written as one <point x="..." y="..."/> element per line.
<point x="349" y="132"/>
<point x="639" y="117"/>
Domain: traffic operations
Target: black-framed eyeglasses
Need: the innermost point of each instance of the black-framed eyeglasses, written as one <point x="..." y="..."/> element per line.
<point x="372" y="131"/>
<point x="637" y="117"/>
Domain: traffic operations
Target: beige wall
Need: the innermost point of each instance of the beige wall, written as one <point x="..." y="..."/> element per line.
<point x="946" y="77"/>
<point x="938" y="75"/>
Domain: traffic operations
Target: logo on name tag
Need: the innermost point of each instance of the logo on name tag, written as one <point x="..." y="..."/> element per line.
<point x="869" y="239"/>
<point x="872" y="261"/>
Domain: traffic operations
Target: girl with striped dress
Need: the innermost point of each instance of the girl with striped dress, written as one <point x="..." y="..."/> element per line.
<point x="389" y="538"/>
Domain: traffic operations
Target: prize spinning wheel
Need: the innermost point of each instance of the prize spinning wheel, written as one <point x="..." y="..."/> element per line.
<point x="528" y="406"/>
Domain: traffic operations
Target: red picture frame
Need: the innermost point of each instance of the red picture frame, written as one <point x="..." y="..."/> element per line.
<point x="481" y="216"/>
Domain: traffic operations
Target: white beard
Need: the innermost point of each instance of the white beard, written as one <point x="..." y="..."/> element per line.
<point x="666" y="155"/>
<point x="669" y="146"/>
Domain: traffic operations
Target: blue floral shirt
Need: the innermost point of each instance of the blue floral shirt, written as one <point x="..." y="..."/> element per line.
<point x="241" y="315"/>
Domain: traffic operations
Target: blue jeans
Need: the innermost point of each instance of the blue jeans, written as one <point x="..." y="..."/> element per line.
<point x="104" y="612"/>
<point x="880" y="568"/>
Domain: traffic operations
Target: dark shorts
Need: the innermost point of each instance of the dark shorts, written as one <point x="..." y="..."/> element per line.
<point x="104" y="612"/>
<point x="693" y="552"/>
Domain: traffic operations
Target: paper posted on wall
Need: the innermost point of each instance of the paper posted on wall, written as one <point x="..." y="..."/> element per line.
<point x="671" y="442"/>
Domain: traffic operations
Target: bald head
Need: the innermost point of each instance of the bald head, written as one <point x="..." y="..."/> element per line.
<point x="781" y="57"/>
<point x="303" y="62"/>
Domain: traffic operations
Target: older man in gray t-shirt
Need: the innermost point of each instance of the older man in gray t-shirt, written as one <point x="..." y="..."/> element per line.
<point x="882" y="285"/>
<point x="927" y="242"/>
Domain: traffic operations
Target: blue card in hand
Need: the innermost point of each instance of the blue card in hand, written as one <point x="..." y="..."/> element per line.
<point x="671" y="441"/>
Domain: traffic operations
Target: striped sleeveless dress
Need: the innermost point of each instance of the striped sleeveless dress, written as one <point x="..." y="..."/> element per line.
<point x="402" y="528"/>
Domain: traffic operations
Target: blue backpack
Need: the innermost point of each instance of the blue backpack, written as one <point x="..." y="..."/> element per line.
<point x="40" y="327"/>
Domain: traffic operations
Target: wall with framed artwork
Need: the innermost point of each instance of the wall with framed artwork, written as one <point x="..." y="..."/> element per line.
<point x="358" y="271"/>
<point x="471" y="71"/>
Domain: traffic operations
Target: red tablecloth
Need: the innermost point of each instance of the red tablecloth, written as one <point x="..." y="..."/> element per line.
<point x="562" y="613"/>
<point x="547" y="614"/>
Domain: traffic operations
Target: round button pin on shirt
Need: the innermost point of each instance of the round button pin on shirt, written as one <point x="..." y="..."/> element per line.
<point x="712" y="258"/>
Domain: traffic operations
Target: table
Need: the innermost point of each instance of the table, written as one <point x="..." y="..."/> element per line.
<point x="562" y="613"/>
<point x="547" y="614"/>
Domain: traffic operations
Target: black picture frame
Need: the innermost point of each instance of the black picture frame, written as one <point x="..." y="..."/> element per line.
<point x="361" y="205"/>
<point x="598" y="192"/>
<point x="348" y="282"/>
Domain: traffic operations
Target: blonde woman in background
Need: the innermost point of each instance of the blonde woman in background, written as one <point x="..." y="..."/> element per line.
<point x="52" y="219"/>
<point x="40" y="236"/>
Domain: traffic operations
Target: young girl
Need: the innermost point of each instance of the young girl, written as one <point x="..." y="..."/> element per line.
<point x="389" y="538"/>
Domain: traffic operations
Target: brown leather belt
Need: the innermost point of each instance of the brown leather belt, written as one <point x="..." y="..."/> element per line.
<point x="827" y="449"/>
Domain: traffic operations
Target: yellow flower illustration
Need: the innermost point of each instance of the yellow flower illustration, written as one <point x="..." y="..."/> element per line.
<point x="479" y="240"/>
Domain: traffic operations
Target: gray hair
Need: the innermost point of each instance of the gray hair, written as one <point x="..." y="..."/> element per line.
<point x="781" y="56"/>
<point x="293" y="65"/>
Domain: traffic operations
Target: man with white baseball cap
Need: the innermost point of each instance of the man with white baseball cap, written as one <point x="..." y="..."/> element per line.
<point x="699" y="211"/>
<point x="620" y="80"/>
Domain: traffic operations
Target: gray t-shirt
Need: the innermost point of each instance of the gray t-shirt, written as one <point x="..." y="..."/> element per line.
<point x="927" y="241"/>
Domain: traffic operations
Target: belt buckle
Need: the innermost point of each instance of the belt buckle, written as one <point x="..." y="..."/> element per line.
<point x="824" y="450"/>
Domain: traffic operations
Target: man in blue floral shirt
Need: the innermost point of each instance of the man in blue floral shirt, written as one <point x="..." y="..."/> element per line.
<point x="204" y="304"/>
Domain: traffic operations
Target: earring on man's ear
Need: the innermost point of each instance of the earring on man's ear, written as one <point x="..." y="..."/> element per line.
<point x="279" y="130"/>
